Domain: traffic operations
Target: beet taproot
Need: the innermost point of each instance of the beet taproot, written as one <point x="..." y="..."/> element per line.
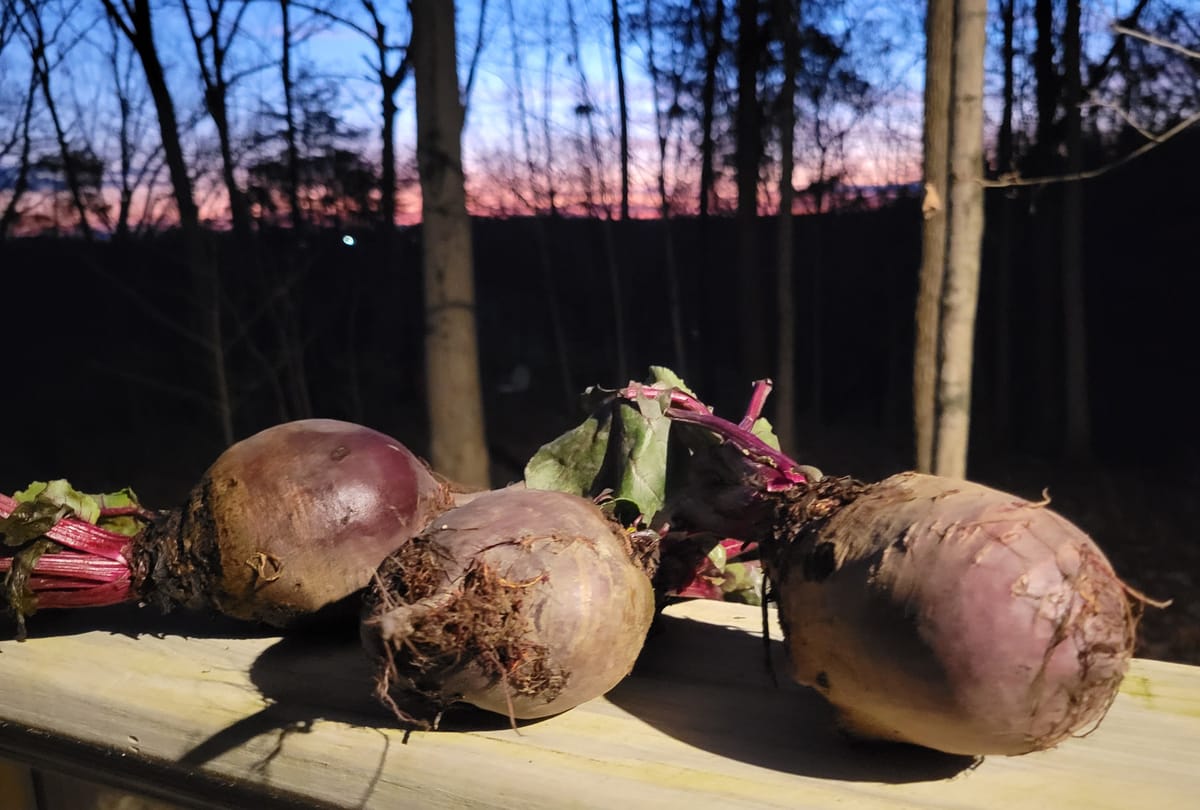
<point x="283" y="524"/>
<point x="948" y="614"/>
<point x="522" y="602"/>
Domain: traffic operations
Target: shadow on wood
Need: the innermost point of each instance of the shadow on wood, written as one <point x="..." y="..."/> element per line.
<point x="132" y="621"/>
<point x="305" y="678"/>
<point x="682" y="688"/>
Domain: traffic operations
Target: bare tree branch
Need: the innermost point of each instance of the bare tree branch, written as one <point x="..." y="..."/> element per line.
<point x="1153" y="40"/>
<point x="1155" y="141"/>
<point x="475" y="52"/>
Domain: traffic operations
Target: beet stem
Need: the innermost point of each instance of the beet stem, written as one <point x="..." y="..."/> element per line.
<point x="679" y="399"/>
<point x="686" y="408"/>
<point x="110" y="593"/>
<point x="94" y="572"/>
<point x="127" y="511"/>
<point x="80" y="535"/>
<point x="67" y="567"/>
<point x="762" y="389"/>
<point x="787" y="472"/>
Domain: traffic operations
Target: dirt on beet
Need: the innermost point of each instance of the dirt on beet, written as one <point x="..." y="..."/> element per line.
<point x="481" y="619"/>
<point x="178" y="562"/>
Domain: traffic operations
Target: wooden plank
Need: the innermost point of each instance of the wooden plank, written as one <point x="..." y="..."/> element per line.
<point x="58" y="791"/>
<point x="16" y="787"/>
<point x="221" y="720"/>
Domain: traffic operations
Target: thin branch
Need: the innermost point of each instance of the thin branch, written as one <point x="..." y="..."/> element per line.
<point x="1099" y="72"/>
<point x="466" y="97"/>
<point x="1153" y="40"/>
<point x="1124" y="115"/>
<point x="317" y="11"/>
<point x="1157" y="140"/>
<point x="127" y="28"/>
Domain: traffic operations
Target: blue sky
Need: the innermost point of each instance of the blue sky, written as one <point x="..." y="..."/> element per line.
<point x="880" y="146"/>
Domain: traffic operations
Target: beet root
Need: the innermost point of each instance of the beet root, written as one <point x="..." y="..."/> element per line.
<point x="288" y="521"/>
<point x="948" y="614"/>
<point x="521" y="602"/>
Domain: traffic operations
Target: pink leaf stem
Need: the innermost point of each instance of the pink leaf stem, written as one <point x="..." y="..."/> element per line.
<point x="110" y="593"/>
<point x="786" y="472"/>
<point x="80" y="535"/>
<point x="762" y="389"/>
<point x="74" y="566"/>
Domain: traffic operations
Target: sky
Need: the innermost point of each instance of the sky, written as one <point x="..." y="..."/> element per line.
<point x="526" y="62"/>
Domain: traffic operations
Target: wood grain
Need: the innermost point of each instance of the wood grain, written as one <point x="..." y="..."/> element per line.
<point x="212" y="719"/>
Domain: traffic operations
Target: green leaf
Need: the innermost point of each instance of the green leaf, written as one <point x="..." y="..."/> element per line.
<point x="30" y="492"/>
<point x="43" y="503"/>
<point x="640" y="460"/>
<point x="665" y="378"/>
<point x="30" y="520"/>
<point x="762" y="429"/>
<point x="572" y="462"/>
<point x="127" y="525"/>
<point x="120" y="499"/>
<point x="743" y="583"/>
<point x="718" y="556"/>
<point x="82" y="505"/>
<point x="60" y="493"/>
<point x="621" y="448"/>
<point x="22" y="601"/>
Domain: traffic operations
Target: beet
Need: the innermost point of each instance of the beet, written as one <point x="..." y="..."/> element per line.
<point x="521" y="602"/>
<point x="283" y="524"/>
<point x="926" y="610"/>
<point x="948" y="614"/>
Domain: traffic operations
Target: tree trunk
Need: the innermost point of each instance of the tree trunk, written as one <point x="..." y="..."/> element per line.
<point x="387" y="179"/>
<point x="1045" y="230"/>
<point x="21" y="182"/>
<point x="1001" y="398"/>
<point x="126" y="192"/>
<point x="168" y="125"/>
<point x="216" y="92"/>
<point x="753" y="361"/>
<point x="1046" y="86"/>
<point x="608" y="242"/>
<point x="623" y="108"/>
<point x="670" y="267"/>
<point x="37" y="49"/>
<point x="454" y="393"/>
<point x="239" y="211"/>
<point x="1008" y="55"/>
<point x="289" y="119"/>
<point x="1075" y="376"/>
<point x="785" y="375"/>
<point x="547" y="96"/>
<point x="960" y="293"/>
<point x="390" y="82"/>
<point x="939" y="34"/>
<point x="206" y="283"/>
<point x="64" y="152"/>
<point x="713" y="41"/>
<point x="541" y="237"/>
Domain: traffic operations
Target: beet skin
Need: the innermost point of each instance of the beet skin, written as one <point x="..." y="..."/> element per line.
<point x="522" y="602"/>
<point x="288" y="521"/>
<point x="950" y="615"/>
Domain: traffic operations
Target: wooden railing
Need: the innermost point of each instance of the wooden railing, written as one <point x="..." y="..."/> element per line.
<point x="201" y="717"/>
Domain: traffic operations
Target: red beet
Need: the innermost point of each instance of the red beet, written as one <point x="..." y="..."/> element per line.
<point x="284" y="523"/>
<point x="948" y="614"/>
<point x="926" y="610"/>
<point x="522" y="602"/>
